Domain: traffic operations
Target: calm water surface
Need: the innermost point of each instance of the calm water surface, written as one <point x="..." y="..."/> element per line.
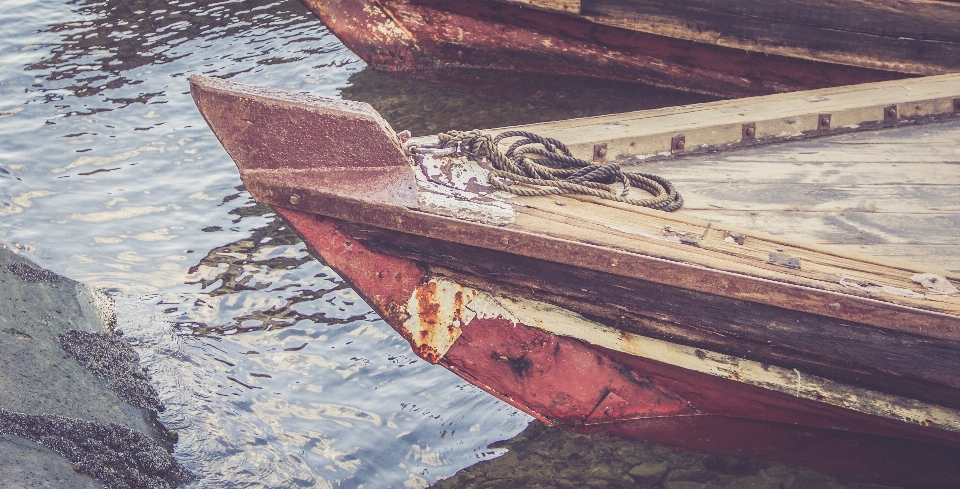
<point x="274" y="373"/>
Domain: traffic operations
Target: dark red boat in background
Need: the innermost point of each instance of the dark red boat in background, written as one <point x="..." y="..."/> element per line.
<point x="730" y="48"/>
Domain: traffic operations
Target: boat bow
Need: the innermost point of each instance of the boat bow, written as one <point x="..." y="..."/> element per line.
<point x="601" y="316"/>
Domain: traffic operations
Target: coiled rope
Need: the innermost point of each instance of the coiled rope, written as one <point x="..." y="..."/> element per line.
<point x="556" y="170"/>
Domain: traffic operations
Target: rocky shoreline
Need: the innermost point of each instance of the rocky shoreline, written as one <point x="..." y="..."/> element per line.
<point x="77" y="409"/>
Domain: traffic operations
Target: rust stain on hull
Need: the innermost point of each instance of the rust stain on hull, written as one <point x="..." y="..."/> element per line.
<point x="436" y="312"/>
<point x="426" y="313"/>
<point x="385" y="282"/>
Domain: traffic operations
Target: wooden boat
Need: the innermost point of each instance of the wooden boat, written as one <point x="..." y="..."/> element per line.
<point x="732" y="48"/>
<point x="597" y="315"/>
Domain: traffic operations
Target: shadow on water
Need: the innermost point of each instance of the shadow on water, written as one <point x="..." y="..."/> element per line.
<point x="232" y="276"/>
<point x="464" y="99"/>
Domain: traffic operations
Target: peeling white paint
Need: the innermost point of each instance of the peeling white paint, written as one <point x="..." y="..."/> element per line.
<point x="444" y="201"/>
<point x="873" y="288"/>
<point x="456" y="187"/>
<point x="458" y="172"/>
<point x="935" y="284"/>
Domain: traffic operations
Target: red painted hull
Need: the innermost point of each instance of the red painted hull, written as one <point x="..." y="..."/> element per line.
<point x="407" y="35"/>
<point x="587" y="388"/>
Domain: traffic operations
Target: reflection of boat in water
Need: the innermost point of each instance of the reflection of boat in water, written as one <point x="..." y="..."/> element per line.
<point x="727" y="47"/>
<point x="602" y="316"/>
<point x="487" y="98"/>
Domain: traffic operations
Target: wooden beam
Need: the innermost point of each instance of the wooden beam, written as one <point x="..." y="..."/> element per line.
<point x="908" y="36"/>
<point x="647" y="134"/>
<point x="559" y="6"/>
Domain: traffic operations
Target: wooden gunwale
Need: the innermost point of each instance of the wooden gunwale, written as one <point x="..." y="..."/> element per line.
<point x="759" y="286"/>
<point x="908" y="36"/>
<point x="715" y="126"/>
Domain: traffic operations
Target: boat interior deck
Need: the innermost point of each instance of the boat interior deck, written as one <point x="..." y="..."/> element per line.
<point x="892" y="193"/>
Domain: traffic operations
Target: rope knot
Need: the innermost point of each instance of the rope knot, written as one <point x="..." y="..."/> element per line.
<point x="548" y="163"/>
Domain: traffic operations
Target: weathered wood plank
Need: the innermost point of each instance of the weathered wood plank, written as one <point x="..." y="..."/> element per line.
<point x="927" y="163"/>
<point x="900" y="238"/>
<point x="916" y="19"/>
<point x="942" y="257"/>
<point x="719" y="125"/>
<point x="877" y="193"/>
<point x="853" y="228"/>
<point x="929" y="241"/>
<point x="559" y="6"/>
<point x="776" y="196"/>
<point x="620" y="229"/>
<point x="919" y="37"/>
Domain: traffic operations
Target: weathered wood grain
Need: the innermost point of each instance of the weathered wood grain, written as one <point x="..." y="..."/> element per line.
<point x="890" y="193"/>
<point x="775" y="196"/>
<point x="911" y="36"/>
<point x="868" y="230"/>
<point x="718" y="125"/>
<point x="610" y="225"/>
<point x="921" y="162"/>
<point x="559" y="6"/>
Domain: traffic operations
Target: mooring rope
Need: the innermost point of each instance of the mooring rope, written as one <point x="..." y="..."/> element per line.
<point x="556" y="170"/>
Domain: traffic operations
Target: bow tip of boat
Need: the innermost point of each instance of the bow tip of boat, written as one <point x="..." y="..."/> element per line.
<point x="289" y="145"/>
